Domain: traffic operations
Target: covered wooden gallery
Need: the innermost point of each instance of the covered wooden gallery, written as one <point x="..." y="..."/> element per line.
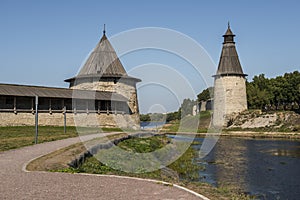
<point x="17" y="101"/>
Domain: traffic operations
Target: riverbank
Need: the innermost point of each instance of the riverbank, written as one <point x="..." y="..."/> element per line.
<point x="250" y="123"/>
<point x="246" y="134"/>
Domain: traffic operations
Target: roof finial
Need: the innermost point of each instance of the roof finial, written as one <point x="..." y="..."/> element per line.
<point x="228" y="24"/>
<point x="104" y="30"/>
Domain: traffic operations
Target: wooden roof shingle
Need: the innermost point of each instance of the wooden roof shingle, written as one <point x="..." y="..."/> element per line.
<point x="52" y="92"/>
<point x="103" y="60"/>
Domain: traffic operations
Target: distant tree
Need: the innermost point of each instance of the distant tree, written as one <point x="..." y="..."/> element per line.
<point x="260" y="81"/>
<point x="206" y="94"/>
<point x="292" y="87"/>
<point x="157" y="117"/>
<point x="145" y="118"/>
<point x="258" y="92"/>
<point x="281" y="92"/>
<point x="187" y="107"/>
<point x="172" y="116"/>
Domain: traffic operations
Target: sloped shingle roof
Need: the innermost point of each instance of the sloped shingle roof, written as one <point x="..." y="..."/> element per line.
<point x="51" y="92"/>
<point x="103" y="60"/>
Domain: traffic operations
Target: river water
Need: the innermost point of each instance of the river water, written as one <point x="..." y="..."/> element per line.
<point x="151" y="125"/>
<point x="266" y="168"/>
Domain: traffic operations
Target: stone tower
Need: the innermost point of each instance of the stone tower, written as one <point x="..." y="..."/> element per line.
<point x="103" y="71"/>
<point x="230" y="83"/>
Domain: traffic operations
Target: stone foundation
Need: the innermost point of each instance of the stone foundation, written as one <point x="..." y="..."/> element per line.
<point x="79" y="119"/>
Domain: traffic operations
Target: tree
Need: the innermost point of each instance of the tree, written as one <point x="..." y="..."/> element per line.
<point x="206" y="94"/>
<point x="157" y="117"/>
<point x="145" y="118"/>
<point x="187" y="107"/>
<point x="258" y="92"/>
<point x="281" y="92"/>
<point x="172" y="116"/>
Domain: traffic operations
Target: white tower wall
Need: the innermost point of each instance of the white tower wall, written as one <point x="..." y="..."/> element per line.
<point x="229" y="97"/>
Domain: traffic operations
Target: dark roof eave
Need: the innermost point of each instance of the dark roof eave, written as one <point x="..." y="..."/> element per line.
<point x="230" y="74"/>
<point x="103" y="76"/>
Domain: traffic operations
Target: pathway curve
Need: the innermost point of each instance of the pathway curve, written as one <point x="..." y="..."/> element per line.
<point x="19" y="184"/>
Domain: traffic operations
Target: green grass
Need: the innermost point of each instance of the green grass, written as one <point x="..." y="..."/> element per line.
<point x="198" y="123"/>
<point x="143" y="145"/>
<point x="182" y="168"/>
<point x="20" y="136"/>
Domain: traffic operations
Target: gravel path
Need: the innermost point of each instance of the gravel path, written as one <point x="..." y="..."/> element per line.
<point x="16" y="183"/>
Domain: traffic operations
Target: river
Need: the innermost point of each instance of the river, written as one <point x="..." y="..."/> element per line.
<point x="151" y="125"/>
<point x="266" y="168"/>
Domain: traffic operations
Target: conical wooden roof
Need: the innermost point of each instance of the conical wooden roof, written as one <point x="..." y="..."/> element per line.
<point x="103" y="61"/>
<point x="229" y="63"/>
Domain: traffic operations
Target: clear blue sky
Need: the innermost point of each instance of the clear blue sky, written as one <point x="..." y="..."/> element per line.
<point x="45" y="42"/>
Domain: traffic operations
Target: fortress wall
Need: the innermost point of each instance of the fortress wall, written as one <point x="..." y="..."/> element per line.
<point x="79" y="119"/>
<point x="125" y="87"/>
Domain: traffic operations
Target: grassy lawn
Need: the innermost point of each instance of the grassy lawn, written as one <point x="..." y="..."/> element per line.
<point x="20" y="136"/>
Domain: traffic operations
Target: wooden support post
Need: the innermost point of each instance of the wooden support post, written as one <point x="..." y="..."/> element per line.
<point x="106" y="102"/>
<point x="99" y="107"/>
<point x="15" y="105"/>
<point x="36" y="119"/>
<point x="62" y="103"/>
<point x="65" y="119"/>
<point x="50" y="107"/>
<point x="74" y="106"/>
<point x="32" y="105"/>
<point x="87" y="106"/>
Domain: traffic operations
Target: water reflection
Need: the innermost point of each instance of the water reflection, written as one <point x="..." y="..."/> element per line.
<point x="266" y="168"/>
<point x="292" y="152"/>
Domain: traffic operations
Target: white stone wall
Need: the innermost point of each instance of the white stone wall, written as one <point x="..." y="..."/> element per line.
<point x="79" y="119"/>
<point x="195" y="110"/>
<point x="203" y="106"/>
<point x="229" y="97"/>
<point x="125" y="87"/>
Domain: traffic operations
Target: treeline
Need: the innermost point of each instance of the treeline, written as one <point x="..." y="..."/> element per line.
<point x="280" y="93"/>
<point x="185" y="109"/>
<point x="160" y="117"/>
